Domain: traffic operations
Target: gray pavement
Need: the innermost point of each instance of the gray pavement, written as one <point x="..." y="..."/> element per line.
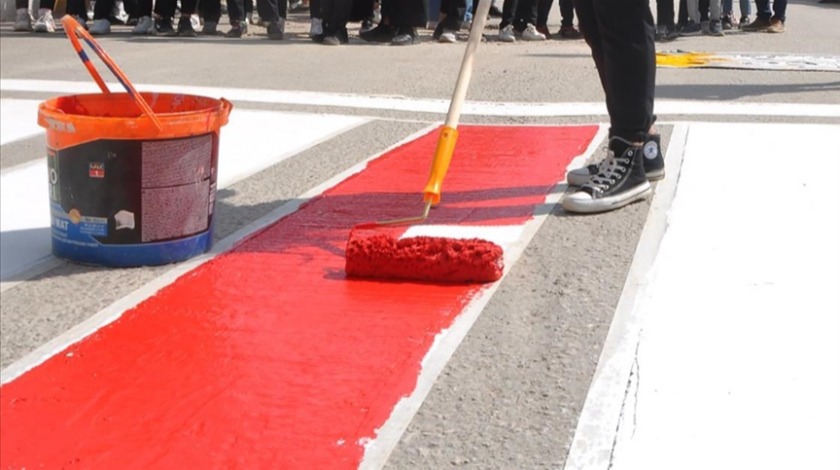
<point x="510" y="396"/>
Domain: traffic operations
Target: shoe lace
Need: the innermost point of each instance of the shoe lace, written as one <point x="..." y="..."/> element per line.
<point x="609" y="171"/>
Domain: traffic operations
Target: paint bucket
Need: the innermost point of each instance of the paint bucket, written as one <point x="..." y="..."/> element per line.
<point x="132" y="176"/>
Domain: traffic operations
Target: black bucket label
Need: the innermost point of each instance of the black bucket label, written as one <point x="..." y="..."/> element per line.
<point x="131" y="202"/>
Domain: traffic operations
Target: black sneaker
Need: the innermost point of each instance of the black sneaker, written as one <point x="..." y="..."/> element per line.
<point x="691" y="29"/>
<point x="185" y="27"/>
<point x="620" y="181"/>
<point x="726" y="22"/>
<point x="335" y="37"/>
<point x="654" y="164"/>
<point x="495" y="12"/>
<point x="237" y="30"/>
<point x="381" y="33"/>
<point x="210" y="28"/>
<point x="163" y="26"/>
<point x="665" y="33"/>
<point x="406" y="36"/>
<point x="276" y="29"/>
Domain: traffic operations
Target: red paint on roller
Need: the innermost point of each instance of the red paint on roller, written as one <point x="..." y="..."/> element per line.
<point x="268" y="356"/>
<point x="428" y="259"/>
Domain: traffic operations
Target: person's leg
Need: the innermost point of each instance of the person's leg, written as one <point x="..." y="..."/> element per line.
<point x="384" y="31"/>
<point x="543" y="10"/>
<point x="626" y="28"/>
<point x="185" y="27"/>
<point x="567" y="21"/>
<point x="211" y="11"/>
<point x="132" y="9"/>
<point x="521" y="16"/>
<point x="592" y="35"/>
<point x="746" y="9"/>
<point x="777" y="22"/>
<point x="567" y="13"/>
<point x="77" y="9"/>
<point x="335" y="14"/>
<point x="703" y="7"/>
<point x="101" y="11"/>
<point x="509" y="8"/>
<point x="236" y="16"/>
<point x="762" y="9"/>
<point x="469" y="10"/>
<point x="624" y="35"/>
<point x="145" y="24"/>
<point x="451" y="12"/>
<point x="407" y="16"/>
<point x="714" y="10"/>
<point x="726" y="14"/>
<point x="23" y="18"/>
<point x="274" y="13"/>
<point x="527" y="12"/>
<point x="762" y="17"/>
<point x="360" y="10"/>
<point x="779" y="9"/>
<point x="693" y="10"/>
<point x="682" y="17"/>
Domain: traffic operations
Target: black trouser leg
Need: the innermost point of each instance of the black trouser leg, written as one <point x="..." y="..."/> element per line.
<point x="526" y="13"/>
<point x="665" y="13"/>
<point x="620" y="34"/>
<point x="509" y="8"/>
<point x="236" y="11"/>
<point x="335" y="14"/>
<point x="188" y="7"/>
<point x="211" y="10"/>
<point x="102" y="9"/>
<point x="567" y="13"/>
<point x="703" y="5"/>
<point x="271" y="10"/>
<point x="543" y="10"/>
<point x="453" y="11"/>
<point x="77" y="8"/>
<point x="361" y="10"/>
<point x="682" y="17"/>
<point x="409" y="13"/>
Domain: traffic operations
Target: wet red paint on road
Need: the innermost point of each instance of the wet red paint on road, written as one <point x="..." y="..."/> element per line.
<point x="267" y="356"/>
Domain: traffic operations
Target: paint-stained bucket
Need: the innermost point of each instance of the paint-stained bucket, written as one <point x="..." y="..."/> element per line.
<point x="132" y="176"/>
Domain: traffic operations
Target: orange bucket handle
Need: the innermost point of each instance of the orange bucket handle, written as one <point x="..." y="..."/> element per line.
<point x="74" y="30"/>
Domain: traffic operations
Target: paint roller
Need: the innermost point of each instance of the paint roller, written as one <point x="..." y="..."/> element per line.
<point x="374" y="250"/>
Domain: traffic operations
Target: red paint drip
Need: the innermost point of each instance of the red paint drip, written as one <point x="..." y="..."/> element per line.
<point x="428" y="259"/>
<point x="268" y="356"/>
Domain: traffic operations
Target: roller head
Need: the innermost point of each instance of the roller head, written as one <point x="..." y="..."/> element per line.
<point x="426" y="259"/>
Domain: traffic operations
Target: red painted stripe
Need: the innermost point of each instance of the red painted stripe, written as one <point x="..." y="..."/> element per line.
<point x="267" y="357"/>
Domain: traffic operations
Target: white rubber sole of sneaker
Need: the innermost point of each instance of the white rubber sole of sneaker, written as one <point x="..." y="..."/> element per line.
<point x="581" y="202"/>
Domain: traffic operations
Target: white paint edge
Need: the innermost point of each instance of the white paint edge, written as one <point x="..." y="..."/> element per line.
<point x="117" y="308"/>
<point x="598" y="424"/>
<point x="437" y="106"/>
<point x="378" y="450"/>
